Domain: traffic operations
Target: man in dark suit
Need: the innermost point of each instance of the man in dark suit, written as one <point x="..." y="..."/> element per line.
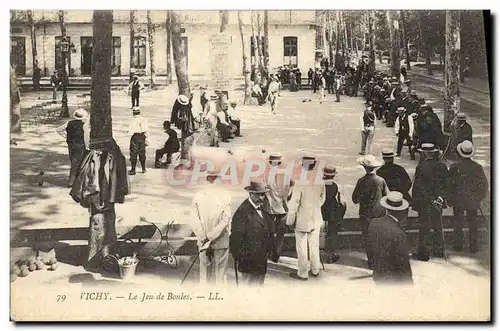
<point x="251" y="242"/>
<point x="468" y="186"/>
<point x="395" y="176"/>
<point x="387" y="246"/>
<point x="171" y="146"/>
<point x="429" y="194"/>
<point x="460" y="131"/>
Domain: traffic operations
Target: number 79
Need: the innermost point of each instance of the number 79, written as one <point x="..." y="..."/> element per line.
<point x="61" y="297"/>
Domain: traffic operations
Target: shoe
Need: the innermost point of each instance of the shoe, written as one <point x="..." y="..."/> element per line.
<point x="419" y="257"/>
<point x="143" y="171"/>
<point x="361" y="153"/>
<point x="295" y="276"/>
<point x="131" y="172"/>
<point x="239" y="135"/>
<point x="314" y="275"/>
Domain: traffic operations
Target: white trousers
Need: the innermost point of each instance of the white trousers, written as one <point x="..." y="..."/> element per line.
<point x="214" y="271"/>
<point x="321" y="94"/>
<point x="304" y="242"/>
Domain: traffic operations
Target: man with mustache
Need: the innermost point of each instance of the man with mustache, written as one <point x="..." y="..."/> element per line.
<point x="251" y="242"/>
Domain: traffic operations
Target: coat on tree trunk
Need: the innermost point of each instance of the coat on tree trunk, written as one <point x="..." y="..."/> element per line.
<point x="151" y="41"/>
<point x="248" y="100"/>
<point x="180" y="60"/>
<point x="108" y="182"/>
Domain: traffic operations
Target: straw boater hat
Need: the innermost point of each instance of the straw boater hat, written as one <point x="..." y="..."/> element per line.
<point x="80" y="114"/>
<point x="461" y="117"/>
<point x="329" y="172"/>
<point x="394" y="201"/>
<point x="466" y="149"/>
<point x="183" y="100"/>
<point x="427" y="147"/>
<point x="387" y="153"/>
<point x="369" y="161"/>
<point x="401" y="110"/>
<point x="257" y="187"/>
<point x="136" y="110"/>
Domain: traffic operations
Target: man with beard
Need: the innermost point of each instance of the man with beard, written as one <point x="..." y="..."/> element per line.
<point x="251" y="242"/>
<point x="429" y="193"/>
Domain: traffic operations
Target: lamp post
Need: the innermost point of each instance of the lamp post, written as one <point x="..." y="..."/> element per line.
<point x="64" y="51"/>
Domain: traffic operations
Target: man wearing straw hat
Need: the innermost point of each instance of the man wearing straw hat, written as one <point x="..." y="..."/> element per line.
<point x="276" y="203"/>
<point x="387" y="245"/>
<point x="77" y="134"/>
<point x="429" y="193"/>
<point x="251" y="242"/>
<point x="332" y="210"/>
<point x="305" y="218"/>
<point x="212" y="206"/>
<point x="139" y="130"/>
<point x="468" y="186"/>
<point x="134" y="89"/>
<point x="368" y="191"/>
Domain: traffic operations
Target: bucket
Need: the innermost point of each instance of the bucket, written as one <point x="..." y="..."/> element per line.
<point x="127" y="271"/>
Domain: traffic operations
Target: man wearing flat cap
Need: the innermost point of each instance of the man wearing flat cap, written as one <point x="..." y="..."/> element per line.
<point x="468" y="187"/>
<point x="251" y="242"/>
<point x="387" y="245"/>
<point x="404" y="131"/>
<point x="305" y="218"/>
<point x="460" y="131"/>
<point x="429" y="196"/>
<point x="368" y="191"/>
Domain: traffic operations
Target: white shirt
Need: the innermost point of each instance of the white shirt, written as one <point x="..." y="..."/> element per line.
<point x="259" y="210"/>
<point x="231" y="112"/>
<point x="212" y="206"/>
<point x="138" y="125"/>
<point x="410" y="125"/>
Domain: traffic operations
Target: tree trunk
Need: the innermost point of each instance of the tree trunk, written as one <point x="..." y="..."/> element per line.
<point x="371" y="35"/>
<point x="151" y="41"/>
<point x="132" y="41"/>
<point x="15" y="106"/>
<point x="259" y="42"/>
<point x="393" y="23"/>
<point x="337" y="40"/>
<point x="246" y="67"/>
<point x="180" y="60"/>
<point x="452" y="68"/>
<point x="266" y="40"/>
<point x="36" y="77"/>
<point x="224" y="20"/>
<point x="324" y="41"/>
<point x="65" y="74"/>
<point x="255" y="46"/>
<point x="102" y="231"/>
<point x="426" y="45"/>
<point x="330" y="37"/>
<point x="169" y="49"/>
<point x="404" y="31"/>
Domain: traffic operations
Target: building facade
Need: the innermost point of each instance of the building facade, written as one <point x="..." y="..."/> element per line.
<point x="291" y="41"/>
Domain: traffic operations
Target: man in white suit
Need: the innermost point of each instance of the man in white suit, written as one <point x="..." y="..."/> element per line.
<point x="305" y="217"/>
<point x="212" y="227"/>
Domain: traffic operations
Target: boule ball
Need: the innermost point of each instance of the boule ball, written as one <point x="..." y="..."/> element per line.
<point x="13" y="277"/>
<point x="24" y="271"/>
<point x="40" y="265"/>
<point x="32" y="267"/>
<point x="53" y="266"/>
<point x="52" y="260"/>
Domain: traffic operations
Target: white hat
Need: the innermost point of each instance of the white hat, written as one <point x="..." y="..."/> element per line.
<point x="80" y="114"/>
<point x="394" y="201"/>
<point x="369" y="161"/>
<point x="183" y="100"/>
<point x="466" y="149"/>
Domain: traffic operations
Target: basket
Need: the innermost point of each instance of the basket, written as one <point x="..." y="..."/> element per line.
<point x="127" y="271"/>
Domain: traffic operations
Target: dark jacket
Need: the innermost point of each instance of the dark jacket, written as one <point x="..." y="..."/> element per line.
<point x="397" y="178"/>
<point x="429" y="129"/>
<point x="251" y="241"/>
<point x="431" y="182"/>
<point x="182" y="117"/>
<point x="172" y="144"/>
<point x="331" y="210"/>
<point x="388" y="250"/>
<point x="461" y="133"/>
<point x="368" y="191"/>
<point x="468" y="184"/>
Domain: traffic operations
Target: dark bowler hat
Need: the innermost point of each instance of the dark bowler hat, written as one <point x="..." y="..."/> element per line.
<point x="257" y="187"/>
<point x="461" y="117"/>
<point x="387" y="153"/>
<point x="329" y="171"/>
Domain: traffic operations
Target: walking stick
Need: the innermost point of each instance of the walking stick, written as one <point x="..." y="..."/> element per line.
<point x="190" y="267"/>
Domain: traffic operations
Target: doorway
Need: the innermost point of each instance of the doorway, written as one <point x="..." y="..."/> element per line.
<point x="18" y="55"/>
<point x="87" y="46"/>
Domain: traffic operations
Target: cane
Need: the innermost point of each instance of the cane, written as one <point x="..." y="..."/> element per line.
<point x="190" y="267"/>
